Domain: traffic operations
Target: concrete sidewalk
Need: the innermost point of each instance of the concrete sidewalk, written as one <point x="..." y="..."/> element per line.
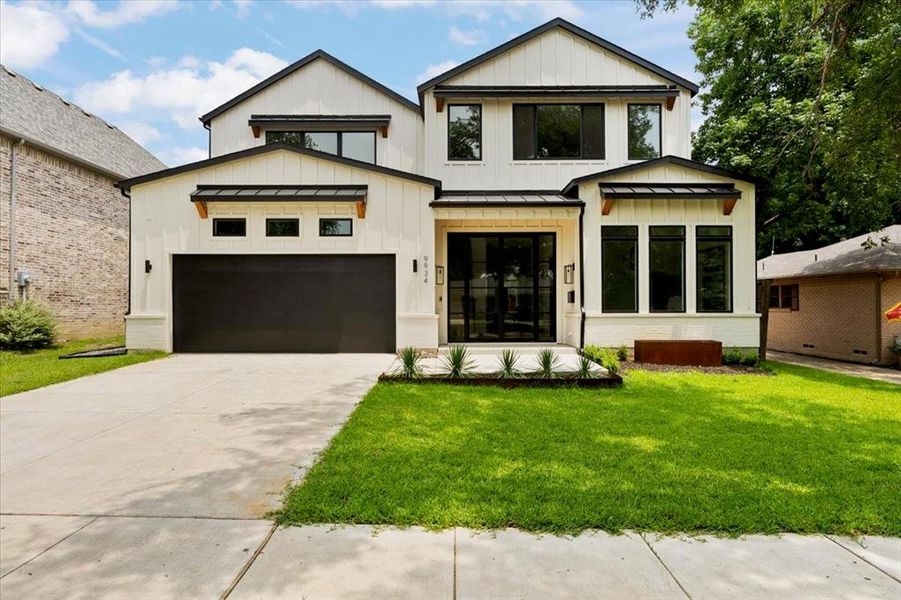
<point x="836" y="366"/>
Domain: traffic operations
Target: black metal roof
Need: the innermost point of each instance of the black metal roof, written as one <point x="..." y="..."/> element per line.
<point x="575" y="30"/>
<point x="224" y="158"/>
<point x="278" y="193"/>
<point x="503" y="199"/>
<point x="669" y="190"/>
<point x="320" y="121"/>
<point x="299" y="65"/>
<point x="516" y="91"/>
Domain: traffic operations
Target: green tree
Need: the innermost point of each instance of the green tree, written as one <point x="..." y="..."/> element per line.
<point x="803" y="94"/>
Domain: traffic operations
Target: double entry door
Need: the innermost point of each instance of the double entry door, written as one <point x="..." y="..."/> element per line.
<point x="501" y="287"/>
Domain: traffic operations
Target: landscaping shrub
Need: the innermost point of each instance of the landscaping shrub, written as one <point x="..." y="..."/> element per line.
<point x="622" y="353"/>
<point x="507" y="360"/>
<point x="737" y="357"/>
<point x="592" y="352"/>
<point x="605" y="357"/>
<point x="409" y="359"/>
<point x="26" y="325"/>
<point x="583" y="371"/>
<point x="457" y="362"/>
<point x="547" y="364"/>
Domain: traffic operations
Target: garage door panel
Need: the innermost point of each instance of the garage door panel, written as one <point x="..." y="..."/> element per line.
<point x="284" y="303"/>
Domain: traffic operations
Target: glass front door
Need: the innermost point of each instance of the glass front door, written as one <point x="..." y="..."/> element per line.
<point x="501" y="287"/>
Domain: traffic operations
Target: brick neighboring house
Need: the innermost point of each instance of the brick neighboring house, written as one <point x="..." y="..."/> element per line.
<point x="830" y="302"/>
<point x="69" y="225"/>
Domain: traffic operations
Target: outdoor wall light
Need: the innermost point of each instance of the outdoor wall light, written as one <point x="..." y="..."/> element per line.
<point x="569" y="272"/>
<point x="439" y="275"/>
<point x="148" y="267"/>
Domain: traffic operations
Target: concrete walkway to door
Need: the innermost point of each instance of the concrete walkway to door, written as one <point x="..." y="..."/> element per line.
<point x="836" y="366"/>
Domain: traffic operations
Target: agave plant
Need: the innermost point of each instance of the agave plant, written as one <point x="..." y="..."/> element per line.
<point x="547" y="363"/>
<point x="583" y="370"/>
<point x="458" y="362"/>
<point x="410" y="358"/>
<point x="507" y="363"/>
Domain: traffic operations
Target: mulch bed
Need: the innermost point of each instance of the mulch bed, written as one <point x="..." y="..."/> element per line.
<point x="630" y="365"/>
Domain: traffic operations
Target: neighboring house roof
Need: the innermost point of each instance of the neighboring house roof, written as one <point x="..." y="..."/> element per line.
<point x="503" y="198"/>
<point x="257" y="150"/>
<point x="663" y="160"/>
<point x="845" y="257"/>
<point x="573" y="29"/>
<point x="48" y="121"/>
<point x="299" y="65"/>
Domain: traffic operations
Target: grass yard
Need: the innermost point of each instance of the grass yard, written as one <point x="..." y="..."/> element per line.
<point x="801" y="451"/>
<point x="22" y="371"/>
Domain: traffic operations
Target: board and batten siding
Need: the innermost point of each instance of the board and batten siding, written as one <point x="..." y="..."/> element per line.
<point x="398" y="221"/>
<point x="555" y="58"/>
<point x="321" y="88"/>
<point x="740" y="328"/>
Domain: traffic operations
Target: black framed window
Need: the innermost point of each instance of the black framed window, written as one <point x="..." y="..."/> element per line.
<point x="336" y="227"/>
<point x="666" y="254"/>
<point x="464" y="132"/>
<point x="358" y="145"/>
<point x="282" y="227"/>
<point x="229" y="227"/>
<point x="619" y="268"/>
<point x="785" y="296"/>
<point x="713" y="261"/>
<point x="558" y="131"/>
<point x="645" y="131"/>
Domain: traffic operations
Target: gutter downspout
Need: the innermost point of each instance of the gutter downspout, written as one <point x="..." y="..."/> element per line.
<point x="13" y="287"/>
<point x="581" y="277"/>
<point x="209" y="140"/>
<point x="125" y="192"/>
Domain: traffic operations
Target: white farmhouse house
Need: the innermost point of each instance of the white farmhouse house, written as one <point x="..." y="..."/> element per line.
<point x="541" y="192"/>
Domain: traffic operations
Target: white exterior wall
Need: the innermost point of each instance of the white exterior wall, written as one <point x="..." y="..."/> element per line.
<point x="398" y="221"/>
<point x="554" y="58"/>
<point x="739" y="328"/>
<point x="320" y="88"/>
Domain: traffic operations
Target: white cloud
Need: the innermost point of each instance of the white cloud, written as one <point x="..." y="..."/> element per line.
<point x="465" y="38"/>
<point x="124" y="13"/>
<point x="140" y="132"/>
<point x="176" y="156"/>
<point x="243" y="7"/>
<point x="478" y="9"/>
<point x="181" y="93"/>
<point x="100" y="44"/>
<point x="435" y="70"/>
<point x="29" y="35"/>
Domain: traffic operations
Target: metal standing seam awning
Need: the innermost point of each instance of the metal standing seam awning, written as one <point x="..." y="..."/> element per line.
<point x="279" y="193"/>
<point x="665" y="191"/>
<point x="504" y="199"/>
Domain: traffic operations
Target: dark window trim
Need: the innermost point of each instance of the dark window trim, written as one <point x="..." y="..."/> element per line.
<point x="217" y="220"/>
<point x="715" y="238"/>
<point x="634" y="238"/>
<point x="348" y="219"/>
<point x="481" y="124"/>
<point x="682" y="239"/>
<point x="295" y="219"/>
<point x="659" y="129"/>
<point x="338" y="132"/>
<point x="795" y="301"/>
<point x="581" y="105"/>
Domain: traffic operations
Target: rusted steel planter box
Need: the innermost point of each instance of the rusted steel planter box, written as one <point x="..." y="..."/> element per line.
<point x="698" y="353"/>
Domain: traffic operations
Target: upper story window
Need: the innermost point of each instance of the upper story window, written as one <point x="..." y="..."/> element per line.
<point x="358" y="145"/>
<point x="558" y="131"/>
<point x="644" y="131"/>
<point x="464" y="132"/>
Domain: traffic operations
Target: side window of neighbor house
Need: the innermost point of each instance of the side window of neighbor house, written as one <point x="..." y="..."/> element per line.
<point x="714" y="268"/>
<point x="666" y="253"/>
<point x="785" y="296"/>
<point x="619" y="268"/>
<point x="558" y="131"/>
<point x="644" y="136"/>
<point x="464" y="132"/>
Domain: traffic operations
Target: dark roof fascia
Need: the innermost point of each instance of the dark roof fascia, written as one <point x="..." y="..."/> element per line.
<point x="570" y="91"/>
<point x="295" y="66"/>
<point x="224" y="158"/>
<point x="65" y="155"/>
<point x="575" y="30"/>
<point x="321" y="120"/>
<point x="874" y="271"/>
<point x="502" y="204"/>
<point x="499" y="193"/>
<point x="668" y="159"/>
<point x="280" y="186"/>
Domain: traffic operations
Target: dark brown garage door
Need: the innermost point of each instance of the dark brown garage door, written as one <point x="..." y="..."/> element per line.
<point x="283" y="303"/>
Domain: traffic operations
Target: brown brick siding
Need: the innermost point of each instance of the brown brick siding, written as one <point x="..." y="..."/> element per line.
<point x="838" y="315"/>
<point x="72" y="236"/>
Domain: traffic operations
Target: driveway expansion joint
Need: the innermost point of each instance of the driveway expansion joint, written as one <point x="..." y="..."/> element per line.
<point x="664" y="565"/>
<point x="249" y="563"/>
<point x="861" y="557"/>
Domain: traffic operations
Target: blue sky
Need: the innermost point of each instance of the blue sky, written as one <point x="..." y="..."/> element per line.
<point x="152" y="67"/>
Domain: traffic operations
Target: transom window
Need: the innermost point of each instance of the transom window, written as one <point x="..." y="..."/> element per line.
<point x="464" y="132"/>
<point x="229" y="227"/>
<point x="666" y="254"/>
<point x="644" y="131"/>
<point x="714" y="268"/>
<point x="282" y="227"/>
<point x="336" y="227"/>
<point x="358" y="145"/>
<point x="784" y="296"/>
<point x="619" y="268"/>
<point x="558" y="131"/>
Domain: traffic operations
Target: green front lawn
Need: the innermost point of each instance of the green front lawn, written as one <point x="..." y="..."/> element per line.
<point x="803" y="451"/>
<point x="21" y="371"/>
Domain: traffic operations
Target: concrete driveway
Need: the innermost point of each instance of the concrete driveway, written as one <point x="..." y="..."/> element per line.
<point x="153" y="480"/>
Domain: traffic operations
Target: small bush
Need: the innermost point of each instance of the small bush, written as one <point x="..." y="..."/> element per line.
<point x="583" y="371"/>
<point x="26" y="325"/>
<point x="750" y="359"/>
<point x="547" y="363"/>
<point x="737" y="357"/>
<point x="409" y="359"/>
<point x="507" y="363"/>
<point x="457" y="362"/>
<point x="592" y="352"/>
<point x="622" y="353"/>
<point x="605" y="357"/>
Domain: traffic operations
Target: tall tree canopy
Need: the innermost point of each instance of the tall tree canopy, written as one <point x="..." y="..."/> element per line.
<point x="805" y="95"/>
